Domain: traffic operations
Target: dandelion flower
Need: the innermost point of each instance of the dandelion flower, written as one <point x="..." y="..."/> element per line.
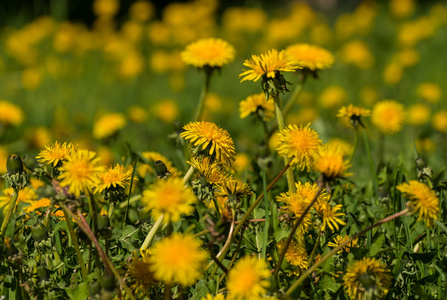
<point x="25" y="195"/>
<point x="422" y="200"/>
<point x="300" y="144"/>
<point x="80" y="172"/>
<point x="233" y="190"/>
<point x="330" y="216"/>
<point x="367" y="277"/>
<point x="178" y="259"/>
<point x="114" y="178"/>
<point x="296" y="254"/>
<point x="269" y="65"/>
<point x="141" y="276"/>
<point x="153" y="157"/>
<point x="311" y="57"/>
<point x="439" y="121"/>
<point x="257" y="105"/>
<point x="388" y="116"/>
<point x="213" y="173"/>
<point x="338" y="240"/>
<point x="35" y="205"/>
<point x="209" y="52"/>
<point x="56" y="153"/>
<point x="217" y="297"/>
<point x="429" y="91"/>
<point x="10" y="114"/>
<point x="418" y="114"/>
<point x="332" y="96"/>
<point x="248" y="279"/>
<point x="354" y="113"/>
<point x="169" y="198"/>
<point x="210" y="140"/>
<point x="330" y="162"/>
<point x="108" y="125"/>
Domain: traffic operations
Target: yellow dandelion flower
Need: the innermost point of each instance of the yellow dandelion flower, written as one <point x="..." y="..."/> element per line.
<point x="330" y="216"/>
<point x="429" y="91"/>
<point x="209" y="52"/>
<point x="210" y="140"/>
<point x="108" y="125"/>
<point x="408" y="57"/>
<point x="367" y="276"/>
<point x="114" y="178"/>
<point x="425" y="145"/>
<point x="35" y="205"/>
<point x="233" y="190"/>
<point x="213" y="173"/>
<point x="300" y="144"/>
<point x="141" y="10"/>
<point x="166" y="110"/>
<point x="55" y="153"/>
<point x="178" y="259"/>
<point x="402" y="8"/>
<point x="248" y="278"/>
<point x="137" y="114"/>
<point x="242" y="162"/>
<point x="296" y="254"/>
<point x="332" y="96"/>
<point x="269" y="65"/>
<point x="80" y="172"/>
<point x="106" y="8"/>
<point x="388" y="116"/>
<point x="257" y="105"/>
<point x="338" y="240"/>
<point x="354" y="113"/>
<point x="311" y="57"/>
<point x="169" y="198"/>
<point x="422" y="200"/>
<point x="141" y="276"/>
<point x="217" y="297"/>
<point x="152" y="158"/>
<point x="393" y="73"/>
<point x="439" y="121"/>
<point x="418" y="114"/>
<point x="341" y="144"/>
<point x="357" y="53"/>
<point x="329" y="162"/>
<point x="25" y="195"/>
<point x="10" y="114"/>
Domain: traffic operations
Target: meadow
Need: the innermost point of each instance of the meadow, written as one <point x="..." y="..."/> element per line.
<point x="207" y="151"/>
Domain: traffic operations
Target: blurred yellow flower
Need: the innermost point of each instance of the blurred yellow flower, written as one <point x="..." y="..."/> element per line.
<point x="140" y="274"/>
<point x="311" y="57"/>
<point x="300" y="144"/>
<point x="248" y="279"/>
<point x="131" y="65"/>
<point x="242" y="162"/>
<point x="357" y="53"/>
<point x="402" y="8"/>
<point x="296" y="254"/>
<point x="209" y="52"/>
<point x="422" y="200"/>
<point x="377" y="282"/>
<point x="388" y="116"/>
<point x="305" y="115"/>
<point x="38" y="137"/>
<point x="137" y="114"/>
<point x="108" y="125"/>
<point x="343" y="145"/>
<point x="3" y="159"/>
<point x="354" y="113"/>
<point x="268" y="65"/>
<point x="153" y="157"/>
<point x="10" y="114"/>
<point x="210" y="140"/>
<point x="439" y="121"/>
<point x="169" y="198"/>
<point x="141" y="10"/>
<point x="80" y="172"/>
<point x="408" y="57"/>
<point x="369" y="95"/>
<point x="425" y="145"/>
<point x="239" y="20"/>
<point x="27" y="194"/>
<point x="106" y="8"/>
<point x="392" y="73"/>
<point x="178" y="259"/>
<point x="31" y="78"/>
<point x="418" y="114"/>
<point x="429" y="91"/>
<point x="332" y="96"/>
<point x="258" y="106"/>
<point x="166" y="110"/>
<point x="36" y="204"/>
<point x="330" y="162"/>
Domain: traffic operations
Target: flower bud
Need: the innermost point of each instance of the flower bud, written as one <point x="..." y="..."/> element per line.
<point x="162" y="171"/>
<point x="108" y="282"/>
<point x="39" y="232"/>
<point x="14" y="164"/>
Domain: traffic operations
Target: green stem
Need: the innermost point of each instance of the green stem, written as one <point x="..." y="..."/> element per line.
<point x="132" y="200"/>
<point x="294" y="229"/>
<point x="152" y="232"/>
<point x="267" y="216"/>
<point x="201" y="103"/>
<point x="11" y="207"/>
<point x="296" y="92"/>
<point x="314" y="250"/>
<point x="48" y="213"/>
<point x="130" y="191"/>
<point x="75" y="242"/>
<point x="356" y="141"/>
<point x="188" y="175"/>
<point x="339" y="247"/>
<point x="281" y="126"/>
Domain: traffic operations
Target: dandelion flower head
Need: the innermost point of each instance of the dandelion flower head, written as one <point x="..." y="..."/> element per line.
<point x="210" y="140"/>
<point x="10" y="114"/>
<point x="140" y="274"/>
<point x="169" y="198"/>
<point x="365" y="277"/>
<point x="108" y="125"/>
<point x="55" y="153"/>
<point x="268" y="65"/>
<point x="25" y="195"/>
<point x="439" y="121"/>
<point x="80" y="172"/>
<point x="178" y="259"/>
<point x="300" y="144"/>
<point x="418" y="114"/>
<point x="429" y="91"/>
<point x="296" y="254"/>
<point x="257" y="104"/>
<point x="338" y="240"/>
<point x="330" y="162"/>
<point x="354" y="113"/>
<point x="330" y="216"/>
<point x="151" y="158"/>
<point x="248" y="278"/>
<point x="213" y="173"/>
<point x="388" y="116"/>
<point x="114" y="177"/>
<point x="233" y="190"/>
<point x="422" y="200"/>
<point x="311" y="57"/>
<point x="208" y="52"/>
